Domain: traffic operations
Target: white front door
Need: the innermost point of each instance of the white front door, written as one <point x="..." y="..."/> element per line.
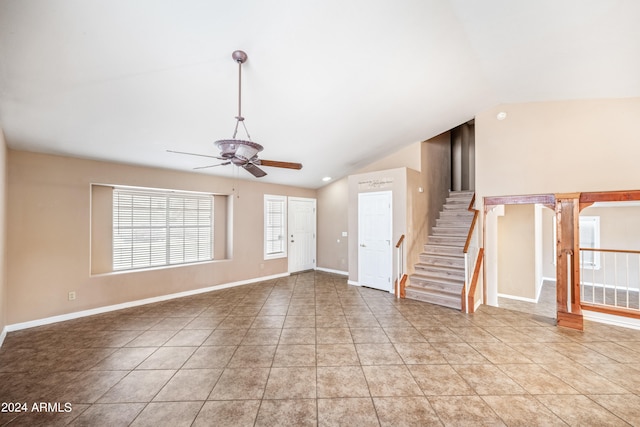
<point x="302" y="234"/>
<point x="374" y="240"/>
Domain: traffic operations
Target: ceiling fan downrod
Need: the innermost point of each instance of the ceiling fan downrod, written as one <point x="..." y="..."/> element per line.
<point x="240" y="57"/>
<point x="240" y="152"/>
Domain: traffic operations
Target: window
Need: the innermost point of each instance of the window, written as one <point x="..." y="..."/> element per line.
<point x="156" y="228"/>
<point x="275" y="231"/>
<point x="590" y="238"/>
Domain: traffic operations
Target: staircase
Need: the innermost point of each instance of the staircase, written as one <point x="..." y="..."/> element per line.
<point x="439" y="275"/>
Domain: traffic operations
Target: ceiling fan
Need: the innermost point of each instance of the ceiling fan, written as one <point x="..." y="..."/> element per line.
<point x="240" y="152"/>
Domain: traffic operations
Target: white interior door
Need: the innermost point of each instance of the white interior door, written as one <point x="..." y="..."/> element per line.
<point x="302" y="234"/>
<point x="374" y="240"/>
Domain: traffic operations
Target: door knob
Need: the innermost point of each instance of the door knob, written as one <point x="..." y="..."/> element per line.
<point x="362" y="245"/>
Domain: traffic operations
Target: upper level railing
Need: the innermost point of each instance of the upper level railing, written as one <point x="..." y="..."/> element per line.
<point x="472" y="261"/>
<point x="610" y="281"/>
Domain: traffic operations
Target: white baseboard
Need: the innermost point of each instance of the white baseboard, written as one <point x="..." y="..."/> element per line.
<point x="329" y="270"/>
<point x="609" y="319"/>
<point x="3" y="335"/>
<point x="513" y="297"/>
<point x="353" y="282"/>
<point x="106" y="309"/>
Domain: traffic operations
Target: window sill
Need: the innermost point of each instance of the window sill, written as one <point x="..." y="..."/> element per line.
<point x="160" y="267"/>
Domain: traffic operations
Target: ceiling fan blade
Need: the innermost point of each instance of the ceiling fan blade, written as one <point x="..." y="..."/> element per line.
<point x="213" y="166"/>
<point x="277" y="164"/>
<point x="254" y="170"/>
<point x="194" y="154"/>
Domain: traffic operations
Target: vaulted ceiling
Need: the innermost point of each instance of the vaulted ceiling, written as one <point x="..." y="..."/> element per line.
<point x="333" y="84"/>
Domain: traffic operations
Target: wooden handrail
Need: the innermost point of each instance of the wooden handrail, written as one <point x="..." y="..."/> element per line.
<point x="399" y="241"/>
<point x="473" y="200"/>
<point x="474" y="281"/>
<point x="620" y="251"/>
<point x="607" y="309"/>
<point x="473" y="223"/>
<point x="400" y="287"/>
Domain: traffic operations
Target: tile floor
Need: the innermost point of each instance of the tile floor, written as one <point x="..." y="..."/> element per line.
<point x="546" y="305"/>
<point x="311" y="350"/>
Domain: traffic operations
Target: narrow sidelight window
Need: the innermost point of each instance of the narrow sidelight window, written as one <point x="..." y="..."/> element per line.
<point x="275" y="227"/>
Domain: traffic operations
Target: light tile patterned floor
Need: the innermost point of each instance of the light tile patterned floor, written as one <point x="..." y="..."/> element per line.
<point x="311" y="350"/>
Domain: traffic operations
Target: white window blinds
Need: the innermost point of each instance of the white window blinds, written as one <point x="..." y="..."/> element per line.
<point x="161" y="228"/>
<point x="275" y="220"/>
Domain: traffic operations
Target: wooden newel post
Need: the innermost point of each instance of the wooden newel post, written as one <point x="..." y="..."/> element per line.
<point x="568" y="261"/>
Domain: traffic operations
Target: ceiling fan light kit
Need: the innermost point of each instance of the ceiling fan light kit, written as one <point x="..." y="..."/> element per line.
<point x="240" y="152"/>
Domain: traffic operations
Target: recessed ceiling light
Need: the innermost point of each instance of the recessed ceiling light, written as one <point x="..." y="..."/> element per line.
<point x="326" y="178"/>
<point x="501" y="115"/>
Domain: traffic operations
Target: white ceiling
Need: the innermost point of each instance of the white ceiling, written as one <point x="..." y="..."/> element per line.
<point x="333" y="84"/>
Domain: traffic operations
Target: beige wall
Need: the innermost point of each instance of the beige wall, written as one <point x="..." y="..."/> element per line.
<point x="3" y="233"/>
<point x="49" y="242"/>
<point x="417" y="220"/>
<point x="555" y="147"/>
<point x="409" y="157"/>
<point x="102" y="228"/>
<point x="548" y="244"/>
<point x="436" y="172"/>
<point x="558" y="147"/>
<point x="516" y="253"/>
<point x="333" y="247"/>
<point x="620" y="230"/>
<point x="334" y="201"/>
<point x="619" y="225"/>
<point x="397" y="184"/>
<point x="428" y="166"/>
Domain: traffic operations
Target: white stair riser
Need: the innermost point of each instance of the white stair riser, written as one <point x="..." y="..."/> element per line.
<point x="448" y="240"/>
<point x="442" y="261"/>
<point x="460" y="196"/>
<point x="455" y="215"/>
<point x="462" y="207"/>
<point x="432" y="271"/>
<point x="443" y="250"/>
<point x="450" y="231"/>
<point x="434" y="299"/>
<point x="446" y="223"/>
<point x="436" y="285"/>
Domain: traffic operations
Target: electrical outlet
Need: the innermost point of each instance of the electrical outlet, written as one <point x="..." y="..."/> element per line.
<point x="72" y="295"/>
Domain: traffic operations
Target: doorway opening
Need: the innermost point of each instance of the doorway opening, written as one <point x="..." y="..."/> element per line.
<point x="521" y="254"/>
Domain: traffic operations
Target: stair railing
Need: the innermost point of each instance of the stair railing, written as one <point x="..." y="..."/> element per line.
<point x="402" y="278"/>
<point x="473" y="256"/>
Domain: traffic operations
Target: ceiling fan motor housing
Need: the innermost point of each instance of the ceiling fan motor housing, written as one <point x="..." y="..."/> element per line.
<point x="247" y="150"/>
<point x="227" y="148"/>
<point x="238" y="150"/>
